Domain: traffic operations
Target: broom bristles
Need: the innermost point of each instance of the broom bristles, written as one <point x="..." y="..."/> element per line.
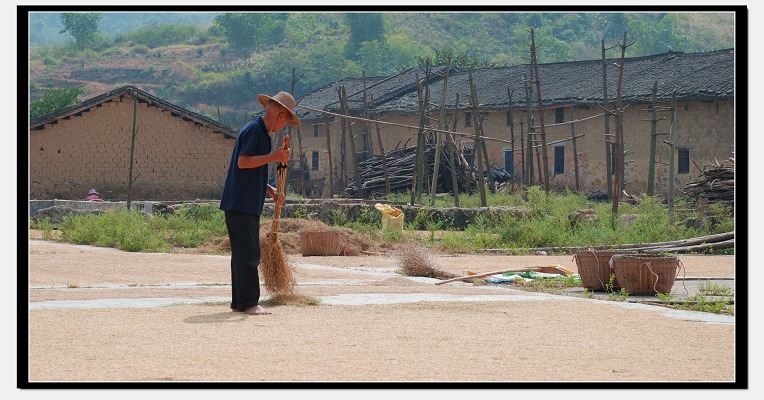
<point x="276" y="271"/>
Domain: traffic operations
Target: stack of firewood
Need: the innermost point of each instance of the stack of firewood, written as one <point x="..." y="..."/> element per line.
<point x="716" y="183"/>
<point x="401" y="166"/>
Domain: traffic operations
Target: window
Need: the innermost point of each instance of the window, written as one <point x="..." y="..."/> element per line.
<point x="559" y="115"/>
<point x="315" y="130"/>
<point x="684" y="161"/>
<point x="468" y="119"/>
<point x="509" y="162"/>
<point x="314" y="161"/>
<point x="559" y="160"/>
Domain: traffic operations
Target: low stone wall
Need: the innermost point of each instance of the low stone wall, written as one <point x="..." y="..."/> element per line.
<point x="416" y="217"/>
<point x="328" y="211"/>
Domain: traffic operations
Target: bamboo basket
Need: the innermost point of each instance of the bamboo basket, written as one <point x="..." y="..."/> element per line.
<point x="594" y="269"/>
<point x="323" y="243"/>
<point x="646" y="274"/>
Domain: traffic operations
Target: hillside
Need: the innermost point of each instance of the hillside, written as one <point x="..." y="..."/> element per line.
<point x="194" y="65"/>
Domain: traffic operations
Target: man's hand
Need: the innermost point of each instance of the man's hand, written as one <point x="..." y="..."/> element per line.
<point x="278" y="198"/>
<point x="282" y="155"/>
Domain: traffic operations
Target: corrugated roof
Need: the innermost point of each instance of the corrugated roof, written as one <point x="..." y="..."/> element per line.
<point x="39" y="123"/>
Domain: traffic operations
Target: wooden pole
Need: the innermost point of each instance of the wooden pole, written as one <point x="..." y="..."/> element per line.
<point x="608" y="150"/>
<point x="329" y="156"/>
<point x="132" y="149"/>
<point x="351" y="142"/>
<point x="653" y="140"/>
<point x="439" y="136"/>
<point x="368" y="147"/>
<point x="381" y="148"/>
<point x="491" y="184"/>
<point x="299" y="160"/>
<point x="453" y="152"/>
<point x="575" y="150"/>
<point x="343" y="146"/>
<point x="529" y="141"/>
<point x="617" y="147"/>
<point x="423" y="90"/>
<point x="511" y="132"/>
<point x="477" y="150"/>
<point x="535" y="64"/>
<point x="672" y="147"/>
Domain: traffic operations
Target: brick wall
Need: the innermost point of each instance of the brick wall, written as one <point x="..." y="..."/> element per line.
<point x="173" y="158"/>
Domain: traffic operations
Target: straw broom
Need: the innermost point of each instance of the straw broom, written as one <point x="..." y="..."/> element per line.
<point x="276" y="271"/>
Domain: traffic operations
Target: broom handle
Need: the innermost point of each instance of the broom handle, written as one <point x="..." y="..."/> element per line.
<point x="280" y="188"/>
<point x="504" y="271"/>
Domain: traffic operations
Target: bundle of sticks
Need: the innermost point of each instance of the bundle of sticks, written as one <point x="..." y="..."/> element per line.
<point x="716" y="183"/>
<point x="401" y="164"/>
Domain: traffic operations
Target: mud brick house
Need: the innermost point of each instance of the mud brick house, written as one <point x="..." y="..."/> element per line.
<point x="571" y="91"/>
<point x="177" y="154"/>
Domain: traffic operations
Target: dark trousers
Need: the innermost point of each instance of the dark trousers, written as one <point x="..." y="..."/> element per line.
<point x="244" y="234"/>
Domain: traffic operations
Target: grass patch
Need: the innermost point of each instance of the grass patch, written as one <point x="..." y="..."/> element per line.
<point x="545" y="225"/>
<point x="720" y="302"/>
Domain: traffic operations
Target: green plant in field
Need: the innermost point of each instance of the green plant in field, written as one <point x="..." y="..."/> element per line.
<point x="369" y="216"/>
<point x="587" y="293"/>
<point x="712" y="289"/>
<point x="393" y="236"/>
<point x="666" y="298"/>
<point x="422" y="218"/>
<point x="610" y="285"/>
<point x="338" y="217"/>
<point x="433" y="226"/>
<point x="620" y="295"/>
<point x="45" y="226"/>
<point x="455" y="242"/>
<point x="699" y="302"/>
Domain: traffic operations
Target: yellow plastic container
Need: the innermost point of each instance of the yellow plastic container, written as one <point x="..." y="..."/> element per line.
<point x="392" y="218"/>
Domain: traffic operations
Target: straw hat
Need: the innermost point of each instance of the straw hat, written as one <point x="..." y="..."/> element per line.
<point x="286" y="100"/>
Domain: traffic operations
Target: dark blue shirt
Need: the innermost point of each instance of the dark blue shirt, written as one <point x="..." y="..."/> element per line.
<point x="244" y="189"/>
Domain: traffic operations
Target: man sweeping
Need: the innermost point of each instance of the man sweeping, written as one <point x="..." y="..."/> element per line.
<point x="244" y="196"/>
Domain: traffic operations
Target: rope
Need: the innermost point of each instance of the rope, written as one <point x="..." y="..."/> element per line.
<point x="468" y="135"/>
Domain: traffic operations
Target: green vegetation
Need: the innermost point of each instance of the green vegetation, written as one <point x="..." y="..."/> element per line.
<point x="224" y="59"/>
<point x="53" y="100"/>
<point x="83" y="27"/>
<point x="188" y="227"/>
<point x="546" y="226"/>
<point x="711" y="297"/>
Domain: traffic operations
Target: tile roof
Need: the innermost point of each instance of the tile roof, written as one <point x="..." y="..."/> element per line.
<point x="696" y="76"/>
<point x="39" y="122"/>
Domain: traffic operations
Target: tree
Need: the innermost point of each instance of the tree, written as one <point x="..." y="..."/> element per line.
<point x="364" y="27"/>
<point x="53" y="100"/>
<point x="247" y="31"/>
<point x="83" y="27"/>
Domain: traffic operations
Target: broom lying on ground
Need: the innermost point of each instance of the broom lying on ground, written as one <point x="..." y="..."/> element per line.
<point x="274" y="268"/>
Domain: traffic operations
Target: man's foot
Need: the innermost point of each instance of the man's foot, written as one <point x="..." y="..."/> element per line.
<point x="256" y="310"/>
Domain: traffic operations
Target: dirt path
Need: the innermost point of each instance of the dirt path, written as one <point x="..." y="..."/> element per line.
<point x="101" y="315"/>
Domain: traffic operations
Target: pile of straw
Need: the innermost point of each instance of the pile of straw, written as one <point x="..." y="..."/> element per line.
<point x="274" y="268"/>
<point x="416" y="261"/>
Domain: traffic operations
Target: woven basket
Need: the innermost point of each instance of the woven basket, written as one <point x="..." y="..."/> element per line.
<point x="323" y="243"/>
<point x="645" y="274"/>
<point x="594" y="269"/>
